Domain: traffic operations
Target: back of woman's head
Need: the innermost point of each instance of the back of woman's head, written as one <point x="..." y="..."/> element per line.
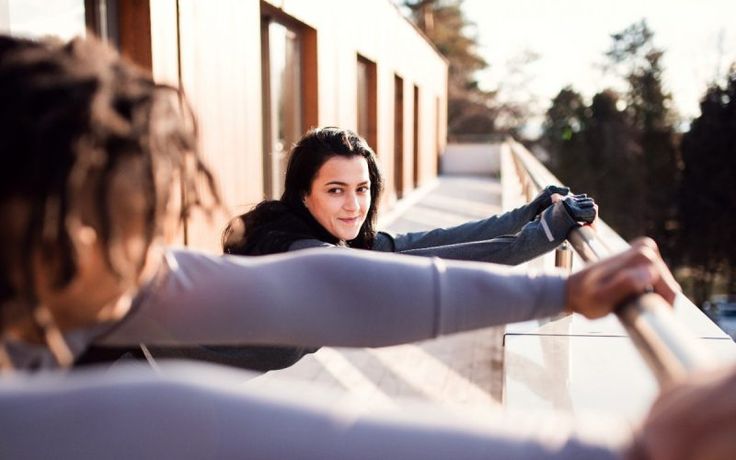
<point x="75" y="118"/>
<point x="275" y="221"/>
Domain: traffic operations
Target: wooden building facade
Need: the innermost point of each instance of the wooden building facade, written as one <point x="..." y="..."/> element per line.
<point x="259" y="73"/>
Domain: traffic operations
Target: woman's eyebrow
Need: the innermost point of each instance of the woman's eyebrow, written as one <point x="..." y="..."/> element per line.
<point x="345" y="184"/>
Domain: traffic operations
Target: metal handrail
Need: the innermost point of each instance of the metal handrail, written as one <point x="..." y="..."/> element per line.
<point x="669" y="350"/>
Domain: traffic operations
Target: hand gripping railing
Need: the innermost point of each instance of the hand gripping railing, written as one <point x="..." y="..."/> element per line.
<point x="666" y="346"/>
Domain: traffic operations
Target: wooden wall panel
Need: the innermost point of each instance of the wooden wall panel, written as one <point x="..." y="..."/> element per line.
<point x="134" y="27"/>
<point x="221" y="74"/>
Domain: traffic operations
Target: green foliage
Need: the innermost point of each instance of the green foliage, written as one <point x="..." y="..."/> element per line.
<point x="566" y="118"/>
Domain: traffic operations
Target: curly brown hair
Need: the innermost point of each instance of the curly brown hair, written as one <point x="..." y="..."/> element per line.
<point x="73" y="117"/>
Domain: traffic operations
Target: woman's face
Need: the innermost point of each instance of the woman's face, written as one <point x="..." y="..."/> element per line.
<point x="340" y="196"/>
<point x="97" y="294"/>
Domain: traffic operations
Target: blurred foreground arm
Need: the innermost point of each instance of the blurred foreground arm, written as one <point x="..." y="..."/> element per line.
<point x="360" y="298"/>
<point x="692" y="420"/>
<point x="205" y="412"/>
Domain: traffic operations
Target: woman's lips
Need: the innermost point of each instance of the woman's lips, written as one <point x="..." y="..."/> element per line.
<point x="349" y="220"/>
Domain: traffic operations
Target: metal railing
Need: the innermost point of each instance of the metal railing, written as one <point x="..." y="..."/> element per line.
<point x="666" y="346"/>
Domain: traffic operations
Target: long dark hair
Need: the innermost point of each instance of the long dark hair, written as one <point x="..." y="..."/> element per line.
<point x="272" y="226"/>
<point x="73" y="117"/>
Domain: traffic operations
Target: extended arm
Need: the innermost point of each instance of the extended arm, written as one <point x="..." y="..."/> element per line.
<point x="508" y="223"/>
<point x="478" y="230"/>
<point x="326" y="297"/>
<point x="197" y="412"/>
<point x="536" y="238"/>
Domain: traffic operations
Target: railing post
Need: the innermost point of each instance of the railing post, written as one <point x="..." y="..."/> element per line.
<point x="563" y="257"/>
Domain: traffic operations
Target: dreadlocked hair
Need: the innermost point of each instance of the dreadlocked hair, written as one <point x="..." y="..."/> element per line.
<point x="73" y="117"/>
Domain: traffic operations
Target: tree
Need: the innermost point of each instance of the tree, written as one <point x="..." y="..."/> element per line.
<point x="708" y="197"/>
<point x="615" y="157"/>
<point x="593" y="149"/>
<point x="562" y="137"/>
<point x="470" y="109"/>
<point x="634" y="54"/>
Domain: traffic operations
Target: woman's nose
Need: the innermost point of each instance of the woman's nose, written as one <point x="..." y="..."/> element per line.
<point x="351" y="202"/>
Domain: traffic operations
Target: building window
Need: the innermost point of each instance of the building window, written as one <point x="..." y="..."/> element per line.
<point x="398" y="136"/>
<point x="367" y="104"/>
<point x="415" y="143"/>
<point x="124" y="24"/>
<point x="289" y="66"/>
<point x="437" y="138"/>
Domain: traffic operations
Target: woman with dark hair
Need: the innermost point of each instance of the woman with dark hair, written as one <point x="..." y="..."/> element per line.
<point x="273" y="226"/>
<point x="92" y="151"/>
<point x="331" y="194"/>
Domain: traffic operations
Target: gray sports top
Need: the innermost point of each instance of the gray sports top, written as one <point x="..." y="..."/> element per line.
<point x="510" y="238"/>
<point x="327" y="297"/>
<point x="354" y="298"/>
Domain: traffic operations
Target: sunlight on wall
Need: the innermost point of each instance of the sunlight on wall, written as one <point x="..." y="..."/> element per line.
<point x="39" y="18"/>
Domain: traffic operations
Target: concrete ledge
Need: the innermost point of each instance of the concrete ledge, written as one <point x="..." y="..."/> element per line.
<point x="476" y="159"/>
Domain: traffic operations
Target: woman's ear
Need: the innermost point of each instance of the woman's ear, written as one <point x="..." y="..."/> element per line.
<point x="48" y="263"/>
<point x="85" y="237"/>
<point x="85" y="241"/>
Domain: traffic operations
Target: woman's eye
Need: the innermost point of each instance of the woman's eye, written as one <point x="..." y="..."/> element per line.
<point x="363" y="189"/>
<point x="334" y="191"/>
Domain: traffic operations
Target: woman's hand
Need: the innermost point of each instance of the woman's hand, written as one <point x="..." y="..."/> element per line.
<point x="695" y="419"/>
<point x="599" y="288"/>
<point x="581" y="208"/>
<point x="549" y="195"/>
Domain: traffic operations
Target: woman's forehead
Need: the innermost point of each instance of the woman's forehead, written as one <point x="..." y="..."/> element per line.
<point x="344" y="169"/>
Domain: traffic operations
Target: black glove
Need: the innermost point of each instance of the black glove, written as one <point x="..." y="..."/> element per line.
<point x="580" y="207"/>
<point x="544" y="199"/>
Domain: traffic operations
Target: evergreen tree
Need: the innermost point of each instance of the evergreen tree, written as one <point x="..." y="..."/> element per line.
<point x="562" y="137"/>
<point x="708" y="195"/>
<point x="615" y="177"/>
<point x="470" y="109"/>
<point x="594" y="150"/>
<point x="634" y="54"/>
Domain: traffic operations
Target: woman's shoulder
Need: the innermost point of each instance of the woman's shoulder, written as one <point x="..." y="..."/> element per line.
<point x="309" y="243"/>
<point x="384" y="242"/>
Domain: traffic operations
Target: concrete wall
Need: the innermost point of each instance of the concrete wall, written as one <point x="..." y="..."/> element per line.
<point x="476" y="159"/>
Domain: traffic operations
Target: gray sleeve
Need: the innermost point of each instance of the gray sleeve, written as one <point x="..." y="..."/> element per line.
<point x="321" y="297"/>
<point x="485" y="229"/>
<point x="298" y="245"/>
<point x="535" y="238"/>
<point x="204" y="412"/>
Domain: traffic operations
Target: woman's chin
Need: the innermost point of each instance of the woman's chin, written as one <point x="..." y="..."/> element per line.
<point x="347" y="235"/>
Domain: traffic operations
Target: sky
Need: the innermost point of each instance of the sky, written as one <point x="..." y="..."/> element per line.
<point x="571" y="36"/>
